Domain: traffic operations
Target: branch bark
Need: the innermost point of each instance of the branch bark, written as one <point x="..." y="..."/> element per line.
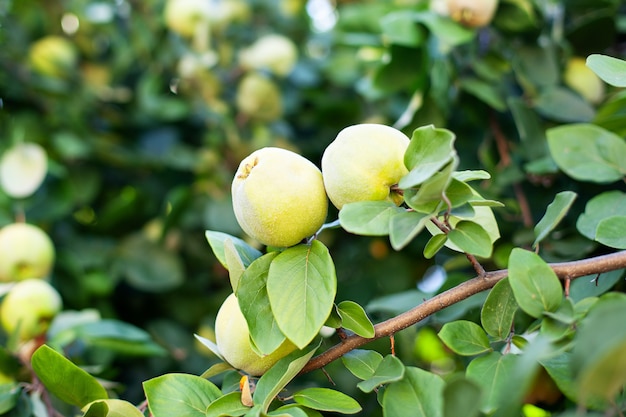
<point x="564" y="270"/>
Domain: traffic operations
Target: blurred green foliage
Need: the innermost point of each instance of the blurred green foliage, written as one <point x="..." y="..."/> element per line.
<point x="144" y="128"/>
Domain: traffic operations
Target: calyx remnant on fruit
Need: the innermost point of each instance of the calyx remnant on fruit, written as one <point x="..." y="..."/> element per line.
<point x="279" y="197"/>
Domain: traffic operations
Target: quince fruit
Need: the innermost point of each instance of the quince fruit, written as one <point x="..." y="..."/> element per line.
<point x="29" y="307"/>
<point x="258" y="97"/>
<point x="26" y="251"/>
<point x="53" y="56"/>
<point x="472" y="13"/>
<point x="364" y="163"/>
<point x="279" y="197"/>
<point x="233" y="341"/>
<point x="275" y="53"/>
<point x="580" y="78"/>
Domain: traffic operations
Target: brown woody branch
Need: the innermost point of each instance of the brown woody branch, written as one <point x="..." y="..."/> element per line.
<point x="564" y="270"/>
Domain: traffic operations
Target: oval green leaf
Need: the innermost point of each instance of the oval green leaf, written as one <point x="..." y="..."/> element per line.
<point x="301" y="286"/>
<point x="465" y="338"/>
<point x="499" y="310"/>
<point x="600" y="207"/>
<point x="612" y="232"/>
<point x="461" y="398"/>
<point x="255" y="305"/>
<point x="434" y="245"/>
<point x="491" y="372"/>
<point x="587" y="152"/>
<point x="555" y="212"/>
<point x="227" y="405"/>
<point x="362" y="363"/>
<point x="180" y="395"/>
<point x="430" y="150"/>
<point x="419" y="391"/>
<point x="368" y="218"/>
<point x="404" y="226"/>
<point x="471" y="238"/>
<point x="117" y="408"/>
<point x="65" y="380"/>
<point x="246" y="252"/>
<point x="535" y="285"/>
<point x="354" y="318"/>
<point x="390" y="369"/>
<point x="611" y="70"/>
<point x="325" y="399"/>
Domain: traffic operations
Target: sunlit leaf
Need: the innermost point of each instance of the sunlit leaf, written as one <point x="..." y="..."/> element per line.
<point x="255" y="305"/>
<point x="368" y="218"/>
<point x="354" y="318"/>
<point x="246" y="252"/>
<point x="182" y="395"/>
<point x="65" y="380"/>
<point x="325" y="399"/>
<point x="301" y="286"/>
<point x="611" y="70"/>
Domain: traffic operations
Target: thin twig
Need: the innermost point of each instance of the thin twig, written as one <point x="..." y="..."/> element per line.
<point x="564" y="270"/>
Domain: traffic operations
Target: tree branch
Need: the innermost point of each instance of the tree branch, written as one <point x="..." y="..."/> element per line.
<point x="564" y="270"/>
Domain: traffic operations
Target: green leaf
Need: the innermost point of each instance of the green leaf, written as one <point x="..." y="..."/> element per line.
<point x="117" y="336"/>
<point x="491" y="372"/>
<point x="461" y="397"/>
<point x="563" y="105"/>
<point x="471" y="238"/>
<point x="301" y="286"/>
<point x="404" y="226"/>
<point x="234" y="264"/>
<point x="278" y="376"/>
<point x="419" y="391"/>
<point x="246" y="252"/>
<point x="65" y="380"/>
<point x="555" y="212"/>
<point x="227" y="405"/>
<point x="499" y="310"/>
<point x="117" y="408"/>
<point x="180" y="395"/>
<point x="400" y="28"/>
<point x="434" y="245"/>
<point x="612" y="232"/>
<point x="611" y="70"/>
<point x="390" y="369"/>
<point x="255" y="305"/>
<point x="429" y="151"/>
<point x="354" y="318"/>
<point x="600" y="368"/>
<point x="429" y="195"/>
<point x="325" y="399"/>
<point x="535" y="285"/>
<point x="368" y="218"/>
<point x="465" y="338"/>
<point x="485" y="91"/>
<point x="587" y="152"/>
<point x="600" y="207"/>
<point x="446" y="30"/>
<point x="9" y="395"/>
<point x="295" y="410"/>
<point x="362" y="363"/>
<point x="594" y="285"/>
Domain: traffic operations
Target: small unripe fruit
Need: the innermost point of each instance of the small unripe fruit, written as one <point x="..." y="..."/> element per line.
<point x="233" y="341"/>
<point x="23" y="168"/>
<point x="29" y="307"/>
<point x="279" y="197"/>
<point x="54" y="56"/>
<point x="258" y="97"/>
<point x="363" y="163"/>
<point x="26" y="251"/>
<point x="275" y="53"/>
<point x="183" y="16"/>
<point x="580" y="78"/>
<point x="472" y="13"/>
